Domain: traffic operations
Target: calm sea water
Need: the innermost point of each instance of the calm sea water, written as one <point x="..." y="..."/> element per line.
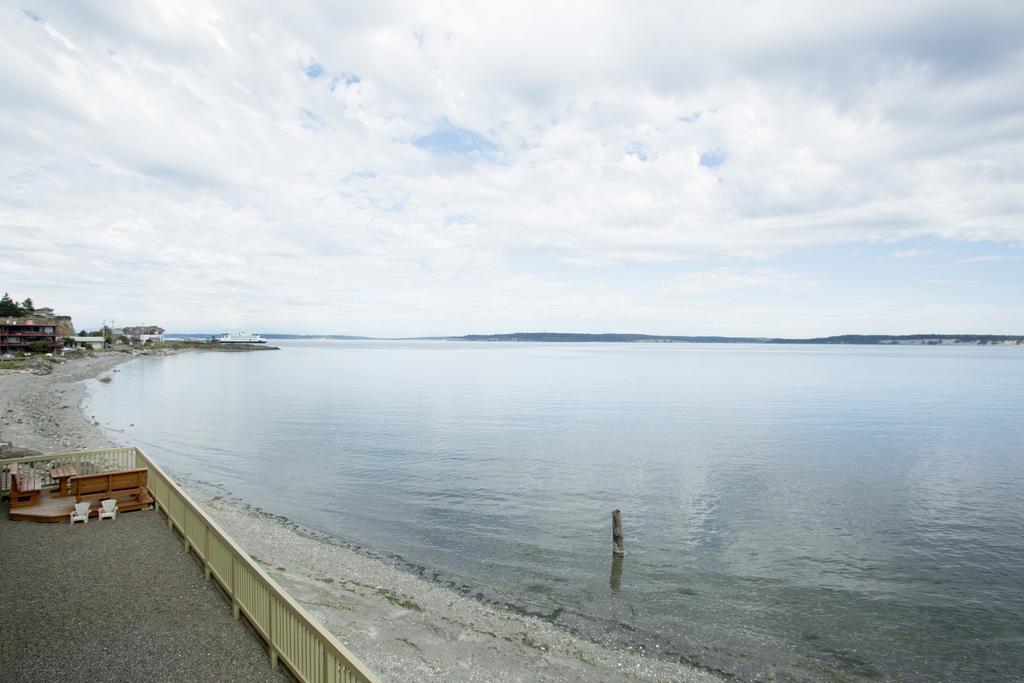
<point x="804" y="512"/>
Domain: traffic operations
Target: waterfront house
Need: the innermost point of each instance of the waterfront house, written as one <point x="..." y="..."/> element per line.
<point x="27" y="333"/>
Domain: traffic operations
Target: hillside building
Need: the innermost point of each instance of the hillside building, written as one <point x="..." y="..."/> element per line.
<point x="19" y="334"/>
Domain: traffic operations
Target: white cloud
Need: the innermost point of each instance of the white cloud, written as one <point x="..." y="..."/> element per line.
<point x="176" y="162"/>
<point x="989" y="258"/>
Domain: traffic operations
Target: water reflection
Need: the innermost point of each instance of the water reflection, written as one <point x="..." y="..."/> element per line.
<point x="615" y="580"/>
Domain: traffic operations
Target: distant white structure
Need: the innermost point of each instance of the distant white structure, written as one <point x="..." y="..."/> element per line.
<point x="240" y="338"/>
<point x="94" y="343"/>
<point x="145" y="333"/>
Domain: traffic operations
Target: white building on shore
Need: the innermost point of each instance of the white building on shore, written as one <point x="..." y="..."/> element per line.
<point x="94" y="343"/>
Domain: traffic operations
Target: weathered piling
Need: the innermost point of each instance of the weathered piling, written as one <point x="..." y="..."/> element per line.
<point x="617" y="546"/>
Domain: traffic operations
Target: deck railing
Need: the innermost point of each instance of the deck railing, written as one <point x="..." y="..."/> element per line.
<point x="37" y="467"/>
<point x="292" y="635"/>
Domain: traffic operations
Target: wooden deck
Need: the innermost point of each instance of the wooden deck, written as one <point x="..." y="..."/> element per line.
<point x="128" y="487"/>
<point x="48" y="508"/>
<point x="51" y="508"/>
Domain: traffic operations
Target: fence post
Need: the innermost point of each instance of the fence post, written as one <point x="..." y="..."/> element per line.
<point x="206" y="552"/>
<point x="271" y="630"/>
<point x="234" y="584"/>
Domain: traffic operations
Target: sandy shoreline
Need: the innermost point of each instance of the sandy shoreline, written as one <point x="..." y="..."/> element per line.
<point x="404" y="627"/>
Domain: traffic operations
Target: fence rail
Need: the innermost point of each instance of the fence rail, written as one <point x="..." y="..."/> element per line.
<point x="37" y="467"/>
<point x="293" y="636"/>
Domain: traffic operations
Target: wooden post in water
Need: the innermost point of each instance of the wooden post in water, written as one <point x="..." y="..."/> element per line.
<point x="617" y="549"/>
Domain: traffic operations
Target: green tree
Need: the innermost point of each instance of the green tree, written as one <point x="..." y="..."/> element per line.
<point x="40" y="346"/>
<point x="8" y="306"/>
<point x="27" y="306"/>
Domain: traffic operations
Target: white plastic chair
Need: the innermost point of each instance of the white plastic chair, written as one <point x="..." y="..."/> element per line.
<point x="108" y="509"/>
<point x="81" y="513"/>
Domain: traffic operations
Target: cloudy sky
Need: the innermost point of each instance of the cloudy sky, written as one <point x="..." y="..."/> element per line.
<point x="747" y="168"/>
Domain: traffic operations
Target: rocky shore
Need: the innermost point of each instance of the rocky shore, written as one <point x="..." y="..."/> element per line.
<point x="403" y="626"/>
<point x="407" y="628"/>
<point x="39" y="404"/>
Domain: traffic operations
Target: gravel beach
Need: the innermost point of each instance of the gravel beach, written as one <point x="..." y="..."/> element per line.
<point x="39" y="410"/>
<point x="404" y="627"/>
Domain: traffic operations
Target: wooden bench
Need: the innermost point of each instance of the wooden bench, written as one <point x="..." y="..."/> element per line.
<point x="24" y="490"/>
<point x="127" y="487"/>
